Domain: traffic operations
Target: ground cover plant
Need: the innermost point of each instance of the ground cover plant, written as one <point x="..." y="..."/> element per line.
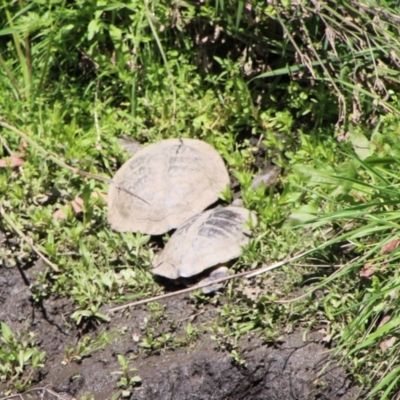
<point x="309" y="86"/>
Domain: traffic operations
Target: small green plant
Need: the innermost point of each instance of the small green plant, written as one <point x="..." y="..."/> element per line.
<point x="19" y="358"/>
<point x="163" y="341"/>
<point x="238" y="358"/>
<point x="127" y="380"/>
<point x="191" y="332"/>
<point x="92" y="312"/>
<point x="87" y="346"/>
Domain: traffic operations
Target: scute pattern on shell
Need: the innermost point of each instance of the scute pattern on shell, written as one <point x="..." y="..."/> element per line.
<point x="178" y="178"/>
<point x="207" y="239"/>
<point x="222" y="223"/>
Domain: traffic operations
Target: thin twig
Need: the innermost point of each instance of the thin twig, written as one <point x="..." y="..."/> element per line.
<point x="342" y="100"/>
<point x="96" y="95"/>
<point x="61" y="163"/>
<point x="48" y="390"/>
<point x="5" y="145"/>
<point x="96" y="114"/>
<point x="320" y="265"/>
<point x="245" y="274"/>
<point x="28" y="57"/>
<point x="304" y="58"/>
<point x="277" y="265"/>
<point x="377" y="11"/>
<point x="163" y="56"/>
<point x="11" y="77"/>
<point x="27" y="240"/>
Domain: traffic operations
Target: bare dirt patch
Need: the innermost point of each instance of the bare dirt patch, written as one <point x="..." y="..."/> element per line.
<point x="289" y="369"/>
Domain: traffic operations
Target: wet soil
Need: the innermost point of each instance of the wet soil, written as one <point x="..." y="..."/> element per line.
<point x="291" y="369"/>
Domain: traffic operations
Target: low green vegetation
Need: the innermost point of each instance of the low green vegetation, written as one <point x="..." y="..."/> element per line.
<point x="310" y="87"/>
<point x="126" y="381"/>
<point x="20" y="358"/>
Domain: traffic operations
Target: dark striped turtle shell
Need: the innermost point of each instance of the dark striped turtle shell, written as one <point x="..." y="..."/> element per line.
<point x="210" y="238"/>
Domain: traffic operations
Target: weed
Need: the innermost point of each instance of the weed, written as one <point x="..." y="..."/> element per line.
<point x="20" y="359"/>
<point x="126" y="381"/>
<point x="87" y="346"/>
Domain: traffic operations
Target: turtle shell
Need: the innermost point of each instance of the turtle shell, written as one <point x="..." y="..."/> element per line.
<point x="205" y="240"/>
<point x="173" y="180"/>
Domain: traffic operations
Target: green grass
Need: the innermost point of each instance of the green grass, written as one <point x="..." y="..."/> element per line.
<point x="317" y="87"/>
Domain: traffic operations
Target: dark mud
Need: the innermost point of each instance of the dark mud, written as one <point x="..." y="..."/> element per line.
<point x="290" y="369"/>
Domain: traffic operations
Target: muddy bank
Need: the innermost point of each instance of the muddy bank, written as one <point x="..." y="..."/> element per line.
<point x="289" y="369"/>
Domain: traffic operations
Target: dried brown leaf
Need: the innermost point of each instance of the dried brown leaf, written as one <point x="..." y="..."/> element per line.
<point x="59" y="215"/>
<point x="390" y="246"/>
<point x="77" y="205"/>
<point x="388" y="343"/>
<point x="327" y="338"/>
<point x="11" y="162"/>
<point x="367" y="271"/>
<point x="385" y="319"/>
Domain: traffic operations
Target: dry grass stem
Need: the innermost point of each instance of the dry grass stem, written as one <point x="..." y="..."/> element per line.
<point x="61" y="163"/>
<point x="27" y="240"/>
<point x="244" y="274"/>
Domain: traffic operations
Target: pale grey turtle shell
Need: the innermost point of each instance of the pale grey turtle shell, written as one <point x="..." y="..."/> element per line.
<point x="178" y="178"/>
<point x="207" y="239"/>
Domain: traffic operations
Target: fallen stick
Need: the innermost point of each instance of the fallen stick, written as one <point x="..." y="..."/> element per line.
<point x="40" y="389"/>
<point x="245" y="274"/>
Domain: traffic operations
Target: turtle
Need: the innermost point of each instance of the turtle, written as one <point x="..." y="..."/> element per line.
<point x="210" y="238"/>
<point x="164" y="184"/>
